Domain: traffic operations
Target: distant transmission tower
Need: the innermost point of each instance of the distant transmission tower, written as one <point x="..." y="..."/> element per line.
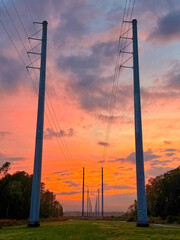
<point x="83" y="193"/>
<point x="98" y="204"/>
<point x="102" y="212"/>
<point x="96" y="207"/>
<point x="87" y="202"/>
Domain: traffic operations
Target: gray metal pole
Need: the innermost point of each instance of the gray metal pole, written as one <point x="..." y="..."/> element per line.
<point x="83" y="195"/>
<point x="90" y="207"/>
<point x="87" y="202"/>
<point x="142" y="219"/>
<point x="98" y="204"/>
<point x="102" y="195"/>
<point x="36" y="185"/>
<point x="96" y="207"/>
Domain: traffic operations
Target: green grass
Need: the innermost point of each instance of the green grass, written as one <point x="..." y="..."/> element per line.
<point x="89" y="230"/>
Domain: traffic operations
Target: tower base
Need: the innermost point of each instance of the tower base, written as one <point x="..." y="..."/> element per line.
<point x="142" y="224"/>
<point x="34" y="224"/>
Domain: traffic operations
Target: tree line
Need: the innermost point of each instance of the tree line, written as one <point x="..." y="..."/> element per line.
<point x="15" y="195"/>
<point x="163" y="197"/>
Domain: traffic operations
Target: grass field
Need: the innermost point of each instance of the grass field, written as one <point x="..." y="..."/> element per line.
<point x="89" y="230"/>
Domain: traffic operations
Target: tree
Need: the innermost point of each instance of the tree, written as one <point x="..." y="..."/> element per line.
<point x="49" y="205"/>
<point x="15" y="195"/>
<point x="4" y="169"/>
<point x="163" y="194"/>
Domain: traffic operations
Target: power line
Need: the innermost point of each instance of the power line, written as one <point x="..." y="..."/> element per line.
<point x="63" y="141"/>
<point x="109" y="121"/>
<point x="14" y="25"/>
<point x="30" y="15"/>
<point x="65" y="155"/>
<point x="19" y="18"/>
<point x="13" y="43"/>
<point x="58" y="126"/>
<point x="119" y="60"/>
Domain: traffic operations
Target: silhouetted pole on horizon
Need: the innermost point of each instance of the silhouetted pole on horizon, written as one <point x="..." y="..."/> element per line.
<point x="36" y="184"/>
<point x="83" y="194"/>
<point x="98" y="204"/>
<point x="87" y="202"/>
<point x="142" y="219"/>
<point x="96" y="207"/>
<point x="90" y="207"/>
<point x="102" y="195"/>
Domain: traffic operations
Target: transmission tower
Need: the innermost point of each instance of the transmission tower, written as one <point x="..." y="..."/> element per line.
<point x="142" y="219"/>
<point x="141" y="195"/>
<point x="36" y="184"/>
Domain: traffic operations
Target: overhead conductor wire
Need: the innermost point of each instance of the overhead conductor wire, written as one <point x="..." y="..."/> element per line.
<point x="119" y="60"/>
<point x="67" y="156"/>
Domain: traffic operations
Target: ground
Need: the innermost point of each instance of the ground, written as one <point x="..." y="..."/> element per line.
<point x="90" y="230"/>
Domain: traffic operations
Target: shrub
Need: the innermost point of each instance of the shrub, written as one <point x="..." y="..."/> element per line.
<point x="131" y="219"/>
<point x="170" y="219"/>
<point x="8" y="222"/>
